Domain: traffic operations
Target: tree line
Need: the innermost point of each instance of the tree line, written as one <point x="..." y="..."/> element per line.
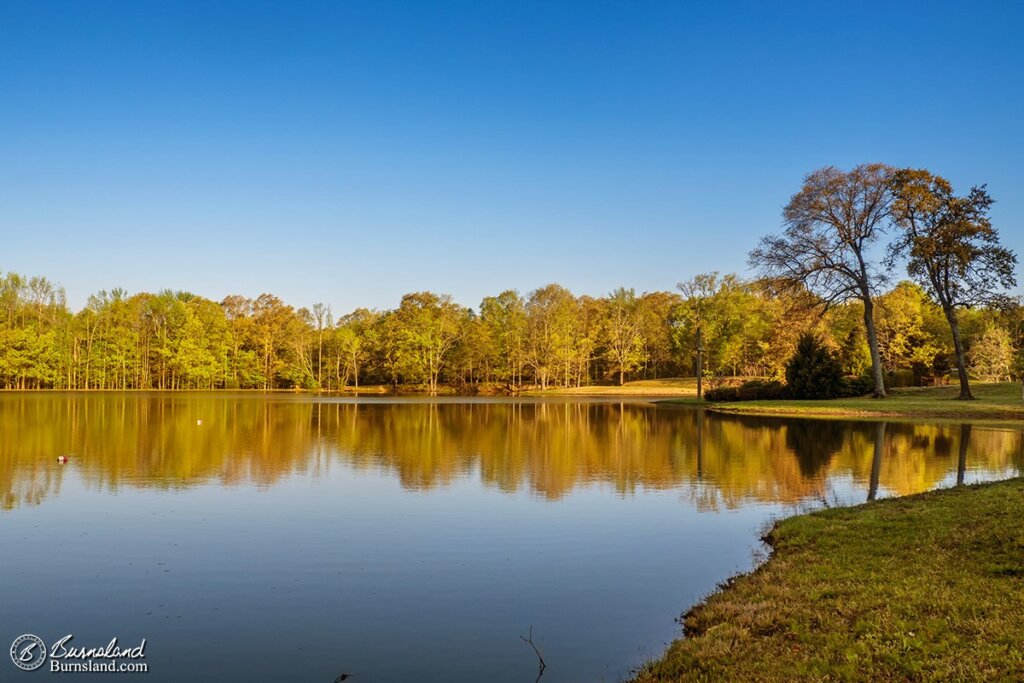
<point x="828" y="273"/>
<point x="548" y="338"/>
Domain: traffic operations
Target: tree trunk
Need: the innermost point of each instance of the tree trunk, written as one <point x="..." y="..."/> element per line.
<point x="876" y="358"/>
<point x="961" y="357"/>
<point x="320" y="362"/>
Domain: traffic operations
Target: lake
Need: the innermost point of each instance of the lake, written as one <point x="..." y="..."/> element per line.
<point x="284" y="537"/>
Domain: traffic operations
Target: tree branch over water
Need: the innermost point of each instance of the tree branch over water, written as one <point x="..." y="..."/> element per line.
<point x="528" y="639"/>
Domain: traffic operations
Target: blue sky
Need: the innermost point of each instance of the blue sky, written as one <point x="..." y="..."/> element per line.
<point x="349" y="152"/>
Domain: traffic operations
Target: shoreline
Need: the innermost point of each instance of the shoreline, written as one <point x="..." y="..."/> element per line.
<point x="1000" y="402"/>
<point x="995" y="402"/>
<point x="832" y="413"/>
<point x="939" y="599"/>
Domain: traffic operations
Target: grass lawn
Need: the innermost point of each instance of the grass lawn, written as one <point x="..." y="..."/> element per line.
<point x="995" y="401"/>
<point x="676" y="386"/>
<point x="923" y="588"/>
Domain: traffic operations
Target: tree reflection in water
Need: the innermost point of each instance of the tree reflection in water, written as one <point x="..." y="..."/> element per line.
<point x="167" y="441"/>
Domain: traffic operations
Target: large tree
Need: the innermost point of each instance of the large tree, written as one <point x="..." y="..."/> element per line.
<point x="831" y="225"/>
<point x="623" y="332"/>
<point x="552" y="326"/>
<point x="951" y="248"/>
<point x="430" y="326"/>
<point x="353" y="339"/>
<point x="504" y="322"/>
<point x="733" y="319"/>
<point x="658" y="319"/>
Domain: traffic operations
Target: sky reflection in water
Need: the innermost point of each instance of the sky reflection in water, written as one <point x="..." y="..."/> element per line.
<point x="283" y="537"/>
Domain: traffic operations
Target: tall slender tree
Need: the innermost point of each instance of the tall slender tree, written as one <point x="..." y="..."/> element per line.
<point x="951" y="248"/>
<point x="322" y="316"/>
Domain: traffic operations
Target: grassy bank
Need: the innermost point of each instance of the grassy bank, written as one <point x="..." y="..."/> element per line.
<point x="995" y="402"/>
<point x="927" y="587"/>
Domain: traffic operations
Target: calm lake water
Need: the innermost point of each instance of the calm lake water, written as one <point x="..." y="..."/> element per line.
<point x="251" y="537"/>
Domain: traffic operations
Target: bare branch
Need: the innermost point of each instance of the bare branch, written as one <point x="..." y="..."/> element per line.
<point x="528" y="639"/>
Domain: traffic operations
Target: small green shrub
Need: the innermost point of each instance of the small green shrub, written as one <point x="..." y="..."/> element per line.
<point x="854" y="387"/>
<point x="761" y="390"/>
<point x="722" y="394"/>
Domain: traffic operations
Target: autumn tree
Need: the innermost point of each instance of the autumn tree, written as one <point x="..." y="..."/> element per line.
<point x="552" y="319"/>
<point x="907" y="329"/>
<point x="697" y="298"/>
<point x="504" y="322"/>
<point x="352" y="342"/>
<point x="201" y="345"/>
<point x="164" y="318"/>
<point x="658" y="317"/>
<point x="244" y="359"/>
<point x="473" y="357"/>
<point x="951" y="248"/>
<point x="992" y="355"/>
<point x="322" y="315"/>
<point x="33" y="333"/>
<point x="275" y="339"/>
<point x="623" y="332"/>
<point x="831" y="226"/>
<point x="736" y="321"/>
<point x="429" y="327"/>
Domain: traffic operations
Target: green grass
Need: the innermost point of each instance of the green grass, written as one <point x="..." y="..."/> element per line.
<point x="923" y="588"/>
<point x="995" y="401"/>
<point x="676" y="386"/>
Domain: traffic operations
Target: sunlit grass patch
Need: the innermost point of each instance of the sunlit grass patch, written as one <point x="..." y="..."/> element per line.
<point x="675" y="386"/>
<point x="927" y="587"/>
<point x="994" y="401"/>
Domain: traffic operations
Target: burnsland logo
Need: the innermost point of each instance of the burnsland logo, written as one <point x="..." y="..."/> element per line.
<point x="28" y="652"/>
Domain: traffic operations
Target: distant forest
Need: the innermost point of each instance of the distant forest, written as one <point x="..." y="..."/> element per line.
<point x="547" y="338"/>
<point x="830" y="272"/>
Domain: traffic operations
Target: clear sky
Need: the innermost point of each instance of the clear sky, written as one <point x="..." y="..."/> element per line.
<point x="349" y="152"/>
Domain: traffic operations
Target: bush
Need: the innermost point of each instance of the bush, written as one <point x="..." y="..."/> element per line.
<point x="754" y="390"/>
<point x="854" y="387"/>
<point x="722" y="394"/>
<point x="760" y="390"/>
<point x="813" y="372"/>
